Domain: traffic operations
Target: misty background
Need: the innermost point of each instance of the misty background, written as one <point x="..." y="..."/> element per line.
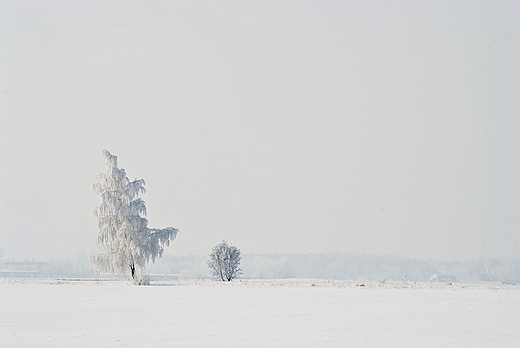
<point x="283" y="127"/>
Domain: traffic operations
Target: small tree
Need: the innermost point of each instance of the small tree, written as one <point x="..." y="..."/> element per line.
<point x="123" y="228"/>
<point x="224" y="262"/>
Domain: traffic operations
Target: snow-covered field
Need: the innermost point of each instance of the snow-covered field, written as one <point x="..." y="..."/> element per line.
<point x="256" y="313"/>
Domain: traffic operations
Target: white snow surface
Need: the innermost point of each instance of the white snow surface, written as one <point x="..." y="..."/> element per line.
<point x="257" y="313"/>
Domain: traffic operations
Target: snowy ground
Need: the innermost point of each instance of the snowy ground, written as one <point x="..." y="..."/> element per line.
<point x="256" y="313"/>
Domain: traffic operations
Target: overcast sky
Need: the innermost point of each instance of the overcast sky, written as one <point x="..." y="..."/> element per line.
<point x="381" y="127"/>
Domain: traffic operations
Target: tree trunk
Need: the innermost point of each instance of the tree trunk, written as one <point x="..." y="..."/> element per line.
<point x="132" y="268"/>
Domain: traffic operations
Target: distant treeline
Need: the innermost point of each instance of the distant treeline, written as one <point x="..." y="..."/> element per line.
<point x="316" y="265"/>
<point x="348" y="266"/>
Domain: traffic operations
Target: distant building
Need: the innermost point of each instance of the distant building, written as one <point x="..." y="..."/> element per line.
<point x="21" y="269"/>
<point x="443" y="278"/>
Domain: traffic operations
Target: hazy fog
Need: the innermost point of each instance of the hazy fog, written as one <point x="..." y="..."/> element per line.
<point x="373" y="127"/>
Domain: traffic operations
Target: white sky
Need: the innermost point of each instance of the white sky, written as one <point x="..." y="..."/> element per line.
<point x="281" y="126"/>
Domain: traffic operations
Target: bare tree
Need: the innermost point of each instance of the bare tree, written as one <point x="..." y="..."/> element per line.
<point x="224" y="262"/>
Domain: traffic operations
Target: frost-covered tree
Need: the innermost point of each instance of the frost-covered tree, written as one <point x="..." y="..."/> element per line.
<point x="224" y="262"/>
<point x="123" y="228"/>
